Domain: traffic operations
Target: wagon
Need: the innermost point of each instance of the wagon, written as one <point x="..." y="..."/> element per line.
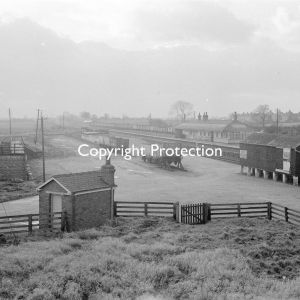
<point x="274" y="156"/>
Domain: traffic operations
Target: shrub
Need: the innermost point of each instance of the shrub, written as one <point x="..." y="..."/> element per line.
<point x="41" y="294"/>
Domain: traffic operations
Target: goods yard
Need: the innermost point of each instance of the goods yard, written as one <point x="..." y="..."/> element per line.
<point x="205" y="180"/>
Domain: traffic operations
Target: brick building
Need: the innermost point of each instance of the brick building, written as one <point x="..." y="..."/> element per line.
<point x="13" y="159"/>
<point x="224" y="131"/>
<point x="85" y="198"/>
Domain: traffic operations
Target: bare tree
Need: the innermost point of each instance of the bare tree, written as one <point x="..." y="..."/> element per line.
<point x="262" y="113"/>
<point x="85" y="115"/>
<point x="181" y="109"/>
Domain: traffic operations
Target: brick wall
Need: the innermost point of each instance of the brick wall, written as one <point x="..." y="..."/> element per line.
<point x="12" y="167"/>
<point x="44" y="197"/>
<point x="43" y="209"/>
<point x="92" y="209"/>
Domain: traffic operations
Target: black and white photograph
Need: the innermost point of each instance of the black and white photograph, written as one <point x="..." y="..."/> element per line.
<point x="150" y="149"/>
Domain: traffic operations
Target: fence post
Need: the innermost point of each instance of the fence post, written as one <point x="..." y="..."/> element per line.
<point x="204" y="212"/>
<point x="176" y="211"/>
<point x="30" y="223"/>
<point x="115" y="209"/>
<point x="208" y="212"/>
<point x="286" y="214"/>
<point x="269" y="211"/>
<point x="146" y="209"/>
<point x="239" y="210"/>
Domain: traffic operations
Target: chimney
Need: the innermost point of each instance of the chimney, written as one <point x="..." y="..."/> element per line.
<point x="108" y="173"/>
<point x="205" y="116"/>
<point x="235" y="116"/>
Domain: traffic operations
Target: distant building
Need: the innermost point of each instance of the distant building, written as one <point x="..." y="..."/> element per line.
<point x="224" y="131"/>
<point x="290" y="128"/>
<point x="13" y="159"/>
<point x="85" y="199"/>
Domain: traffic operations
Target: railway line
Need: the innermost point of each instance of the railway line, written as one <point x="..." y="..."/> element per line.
<point x="231" y="154"/>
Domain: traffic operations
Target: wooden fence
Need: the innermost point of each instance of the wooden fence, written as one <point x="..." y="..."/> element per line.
<point x="192" y="214"/>
<point x="28" y="223"/>
<point x="254" y="210"/>
<point x="141" y="209"/>
<point x="284" y="213"/>
<point x="13" y="149"/>
<point x="201" y="213"/>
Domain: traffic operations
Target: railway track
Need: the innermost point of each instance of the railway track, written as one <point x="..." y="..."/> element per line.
<point x="231" y="154"/>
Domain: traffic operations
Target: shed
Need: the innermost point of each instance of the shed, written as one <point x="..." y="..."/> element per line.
<point x="86" y="199"/>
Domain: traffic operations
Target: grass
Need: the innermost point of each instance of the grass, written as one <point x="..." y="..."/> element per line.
<point x="157" y="259"/>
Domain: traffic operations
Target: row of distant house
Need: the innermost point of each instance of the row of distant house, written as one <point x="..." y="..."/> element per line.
<point x="223" y="131"/>
<point x="227" y="131"/>
<point x="213" y="130"/>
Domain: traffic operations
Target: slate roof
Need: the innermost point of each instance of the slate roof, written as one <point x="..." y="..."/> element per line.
<point x="211" y="125"/>
<point x="284" y="141"/>
<point x="260" y="138"/>
<point x="280" y="141"/>
<point x="79" y="182"/>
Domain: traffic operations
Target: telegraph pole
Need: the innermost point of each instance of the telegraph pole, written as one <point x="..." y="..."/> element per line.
<point x="277" y="122"/>
<point x="37" y="127"/>
<point x="43" y="147"/>
<point x="9" y="114"/>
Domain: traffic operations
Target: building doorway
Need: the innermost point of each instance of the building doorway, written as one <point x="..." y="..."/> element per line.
<point x="55" y="210"/>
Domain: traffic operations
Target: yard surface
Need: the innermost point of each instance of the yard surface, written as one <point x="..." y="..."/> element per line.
<point x="16" y="190"/>
<point x="205" y="180"/>
<point x="148" y="258"/>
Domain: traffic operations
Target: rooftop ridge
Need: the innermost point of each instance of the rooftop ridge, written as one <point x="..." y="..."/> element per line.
<point x="77" y="173"/>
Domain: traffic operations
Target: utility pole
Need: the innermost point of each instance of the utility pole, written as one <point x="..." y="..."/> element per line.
<point x="9" y="114"/>
<point x="43" y="147"/>
<point x="63" y="121"/>
<point x="277" y="121"/>
<point x="37" y="127"/>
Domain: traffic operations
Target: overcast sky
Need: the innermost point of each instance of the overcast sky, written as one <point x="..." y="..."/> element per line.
<point x="251" y="34"/>
<point x="140" y="24"/>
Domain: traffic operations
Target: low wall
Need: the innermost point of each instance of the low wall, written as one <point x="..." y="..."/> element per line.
<point x="12" y="167"/>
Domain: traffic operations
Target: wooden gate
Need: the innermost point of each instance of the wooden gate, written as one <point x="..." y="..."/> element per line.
<point x="194" y="213"/>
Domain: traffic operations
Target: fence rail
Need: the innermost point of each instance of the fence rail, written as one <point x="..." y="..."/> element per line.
<point x="139" y="209"/>
<point x="258" y="209"/>
<point x="12" y="150"/>
<point x="28" y="223"/>
<point x="201" y="213"/>
<point x="284" y="213"/>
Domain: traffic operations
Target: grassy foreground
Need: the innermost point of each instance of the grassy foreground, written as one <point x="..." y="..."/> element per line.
<point x="158" y="259"/>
